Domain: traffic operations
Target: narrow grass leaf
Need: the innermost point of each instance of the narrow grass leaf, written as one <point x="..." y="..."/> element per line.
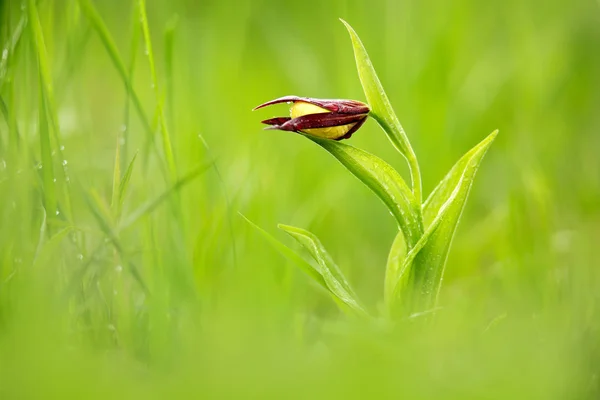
<point x="426" y="261"/>
<point x="47" y="100"/>
<point x="328" y="269"/>
<point x="124" y="184"/>
<point x="111" y="48"/>
<point x="167" y="148"/>
<point x="152" y="204"/>
<point x="381" y="108"/>
<point x="116" y="178"/>
<point x="382" y="179"/>
<point x="102" y="215"/>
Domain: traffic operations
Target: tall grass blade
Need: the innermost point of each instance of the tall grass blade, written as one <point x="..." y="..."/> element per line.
<point x="152" y="204"/>
<point x="47" y="102"/>
<point x="124" y="184"/>
<point x="102" y="215"/>
<point x="167" y="148"/>
<point x="111" y="48"/>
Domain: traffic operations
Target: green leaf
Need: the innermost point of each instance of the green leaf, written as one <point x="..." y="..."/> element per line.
<point x="381" y="109"/>
<point x="312" y="271"/>
<point x="290" y="255"/>
<point x="394" y="263"/>
<point x="109" y="44"/>
<point x="167" y="147"/>
<point x="327" y="268"/>
<point x="124" y="184"/>
<point x="442" y="211"/>
<point x="382" y="179"/>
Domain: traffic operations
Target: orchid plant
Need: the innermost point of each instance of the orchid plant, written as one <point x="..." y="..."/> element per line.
<point x="417" y="257"/>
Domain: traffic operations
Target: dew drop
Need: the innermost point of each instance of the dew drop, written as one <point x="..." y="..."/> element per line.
<point x="57" y="212"/>
<point x="62" y="148"/>
<point x="54" y="180"/>
<point x="118" y="268"/>
<point x="80" y="257"/>
<point x="64" y="162"/>
<point x="123" y="128"/>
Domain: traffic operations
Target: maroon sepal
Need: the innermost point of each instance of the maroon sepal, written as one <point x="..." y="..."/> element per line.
<point x="339" y="106"/>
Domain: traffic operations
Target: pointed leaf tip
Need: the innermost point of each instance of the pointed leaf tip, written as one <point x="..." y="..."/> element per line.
<point x="441" y="214"/>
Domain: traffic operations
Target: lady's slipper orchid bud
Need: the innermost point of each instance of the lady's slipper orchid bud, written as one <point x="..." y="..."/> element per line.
<point x="328" y="119"/>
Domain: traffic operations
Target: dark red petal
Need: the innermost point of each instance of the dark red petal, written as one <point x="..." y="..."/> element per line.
<point x="348" y="135"/>
<point x="284" y="99"/>
<point x="276" y="121"/>
<point x="325" y="120"/>
<point x="333" y="105"/>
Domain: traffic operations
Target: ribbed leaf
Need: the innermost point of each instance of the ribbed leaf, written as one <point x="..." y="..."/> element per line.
<point x="442" y="211"/>
<point x="382" y="179"/>
<point x="395" y="261"/>
<point x="381" y="109"/>
<point x="327" y="268"/>
<point x="291" y="255"/>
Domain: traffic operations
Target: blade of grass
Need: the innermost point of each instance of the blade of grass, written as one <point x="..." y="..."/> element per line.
<point x="47" y="100"/>
<point x="124" y="184"/>
<point x="227" y="200"/>
<point x="111" y="48"/>
<point x="382" y="111"/>
<point x="102" y="215"/>
<point x="11" y="47"/>
<point x="116" y="178"/>
<point x="133" y="50"/>
<point x="167" y="148"/>
<point x="384" y="181"/>
<point x="152" y="204"/>
<point x="169" y="38"/>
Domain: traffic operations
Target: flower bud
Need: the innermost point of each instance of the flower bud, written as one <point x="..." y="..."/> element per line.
<point x="328" y="119"/>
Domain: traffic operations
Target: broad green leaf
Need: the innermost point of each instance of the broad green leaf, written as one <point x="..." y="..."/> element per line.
<point x="382" y="179"/>
<point x="394" y="263"/>
<point x="328" y="269"/>
<point x="442" y="211"/>
<point x="290" y="255"/>
<point x="381" y="108"/>
<point x="314" y="272"/>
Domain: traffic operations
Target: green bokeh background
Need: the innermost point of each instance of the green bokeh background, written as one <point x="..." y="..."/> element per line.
<point x="227" y="315"/>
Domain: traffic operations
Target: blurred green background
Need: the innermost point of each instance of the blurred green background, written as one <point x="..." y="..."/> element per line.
<point x="224" y="315"/>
